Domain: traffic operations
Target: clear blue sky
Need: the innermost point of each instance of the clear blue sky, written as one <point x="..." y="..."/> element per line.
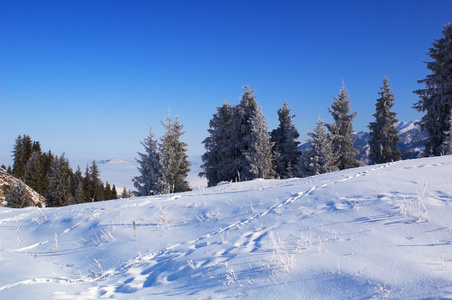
<point x="90" y="77"/>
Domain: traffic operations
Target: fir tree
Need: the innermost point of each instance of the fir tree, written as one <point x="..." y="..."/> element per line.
<point x="447" y="144"/>
<point x="21" y="153"/>
<point x="17" y="196"/>
<point x="107" y="192"/>
<point x="59" y="190"/>
<point x="114" y="192"/>
<point x="320" y="158"/>
<point x="33" y="176"/>
<point x="259" y="154"/>
<point x="77" y="187"/>
<point x="174" y="159"/>
<point x="150" y="180"/>
<point x="217" y="159"/>
<point x="88" y="192"/>
<point x="384" y="135"/>
<point x="436" y="98"/>
<point x="248" y="126"/>
<point x="96" y="185"/>
<point x="285" y="144"/>
<point x="126" y="193"/>
<point x="342" y="131"/>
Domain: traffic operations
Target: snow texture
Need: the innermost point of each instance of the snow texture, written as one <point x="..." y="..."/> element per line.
<point x="382" y="231"/>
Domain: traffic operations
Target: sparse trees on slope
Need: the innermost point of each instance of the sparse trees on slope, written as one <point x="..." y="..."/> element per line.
<point x="320" y="158"/>
<point x="384" y="135"/>
<point x="436" y="97"/>
<point x="342" y="131"/>
<point x="285" y="144"/>
<point x="149" y="182"/>
<point x="174" y="159"/>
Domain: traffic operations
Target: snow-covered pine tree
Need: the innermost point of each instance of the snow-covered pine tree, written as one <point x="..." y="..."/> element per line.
<point x="447" y="144"/>
<point x="436" y="98"/>
<point x="96" y="185"/>
<point x="59" y="191"/>
<point x="174" y="158"/>
<point x="114" y="192"/>
<point x="285" y="144"/>
<point x="21" y="153"/>
<point x="217" y="159"/>
<point x="17" y="196"/>
<point x="77" y="186"/>
<point x="33" y="176"/>
<point x="247" y="124"/>
<point x="342" y="131"/>
<point x="259" y="154"/>
<point x="149" y="182"/>
<point x="320" y="158"/>
<point x="384" y="135"/>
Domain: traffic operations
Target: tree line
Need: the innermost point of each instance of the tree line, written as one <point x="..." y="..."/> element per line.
<point x="51" y="176"/>
<point x="240" y="147"/>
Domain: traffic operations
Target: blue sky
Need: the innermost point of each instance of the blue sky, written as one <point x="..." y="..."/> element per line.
<point x="89" y="77"/>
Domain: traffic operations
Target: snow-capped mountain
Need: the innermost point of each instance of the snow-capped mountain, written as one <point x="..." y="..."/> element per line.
<point x="411" y="142"/>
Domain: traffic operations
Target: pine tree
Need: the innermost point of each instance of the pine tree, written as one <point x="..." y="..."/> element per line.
<point x="384" y="135"/>
<point x="342" y="131"/>
<point x="47" y="160"/>
<point x="217" y="159"/>
<point x="320" y="158"/>
<point x="285" y="144"/>
<point x="96" y="184"/>
<point x="447" y="144"/>
<point x="88" y="192"/>
<point x="126" y="193"/>
<point x="77" y="187"/>
<point x="17" y="196"/>
<point x="59" y="190"/>
<point x="33" y="176"/>
<point x="248" y="126"/>
<point x="107" y="192"/>
<point x="436" y="98"/>
<point x="150" y="180"/>
<point x="259" y="155"/>
<point x="174" y="159"/>
<point x="21" y="153"/>
<point x="114" y="192"/>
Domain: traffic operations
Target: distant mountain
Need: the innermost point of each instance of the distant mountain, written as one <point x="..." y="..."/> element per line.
<point x="7" y="180"/>
<point x="411" y="143"/>
<point x="113" y="161"/>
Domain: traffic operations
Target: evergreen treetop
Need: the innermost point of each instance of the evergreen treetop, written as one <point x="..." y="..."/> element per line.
<point x="384" y="135"/>
<point x="436" y="98"/>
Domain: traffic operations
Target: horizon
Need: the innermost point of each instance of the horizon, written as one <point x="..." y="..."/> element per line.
<point x="88" y="79"/>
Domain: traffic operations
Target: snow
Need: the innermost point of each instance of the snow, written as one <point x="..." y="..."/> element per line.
<point x="382" y="231"/>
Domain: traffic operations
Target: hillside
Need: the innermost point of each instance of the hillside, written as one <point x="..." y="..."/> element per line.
<point x="6" y="181"/>
<point x="381" y="231"/>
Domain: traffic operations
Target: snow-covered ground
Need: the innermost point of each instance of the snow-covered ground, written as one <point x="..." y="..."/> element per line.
<point x="376" y="231"/>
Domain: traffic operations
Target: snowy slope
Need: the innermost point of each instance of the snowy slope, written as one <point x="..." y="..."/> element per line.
<point x="380" y="231"/>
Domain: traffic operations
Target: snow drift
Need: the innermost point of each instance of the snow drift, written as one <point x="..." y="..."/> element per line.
<point x="376" y="231"/>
